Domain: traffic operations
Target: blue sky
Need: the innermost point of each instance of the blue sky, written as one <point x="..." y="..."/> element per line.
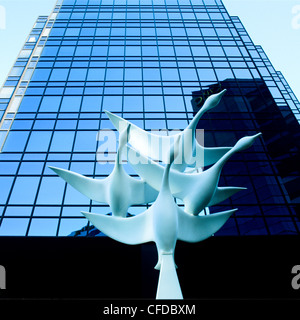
<point x="274" y="24"/>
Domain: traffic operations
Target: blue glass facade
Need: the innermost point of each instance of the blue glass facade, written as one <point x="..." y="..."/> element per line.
<point x="141" y="60"/>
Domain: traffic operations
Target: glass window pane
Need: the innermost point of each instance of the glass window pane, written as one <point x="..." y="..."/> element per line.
<point x="57" y="32"/>
<point x="151" y="74"/>
<point x="136" y="32"/>
<point x="169" y="74"/>
<point x="178" y="32"/>
<point x="223" y="74"/>
<point x="43" y="124"/>
<point x="149" y="51"/>
<point x="43" y="227"/>
<point x="112" y="103"/>
<point x="182" y="51"/>
<point x="15" y="141"/>
<point x="16" y="71"/>
<point x="114" y="74"/>
<point x="199" y="51"/>
<point x="62" y="141"/>
<point x="66" y="124"/>
<point x="39" y="141"/>
<point x="133" y="103"/>
<point x="116" y="51"/>
<point x="46" y="211"/>
<point x="50" y="104"/>
<point x="174" y="103"/>
<point x="31" y="168"/>
<point x="188" y="75"/>
<point x="70" y="104"/>
<point x="91" y="104"/>
<point x="206" y="74"/>
<point x="18" y="211"/>
<point x="77" y="15"/>
<point x="133" y="51"/>
<point x="24" y="53"/>
<point x="59" y="74"/>
<point x="208" y="32"/>
<point x="83" y="51"/>
<point x="166" y="51"/>
<point x="148" y="32"/>
<point x="96" y="74"/>
<point x="50" y="51"/>
<point x="242" y="73"/>
<point x="30" y="104"/>
<point x="77" y="74"/>
<point x="102" y="31"/>
<point x="66" y="51"/>
<point x="72" y="32"/>
<point x="14" y="227"/>
<point x="118" y="32"/>
<point x="75" y="197"/>
<point x="51" y="190"/>
<point x="5" y="185"/>
<point x="88" y="124"/>
<point x="193" y="32"/>
<point x="155" y="124"/>
<point x="223" y="32"/>
<point x="216" y="51"/>
<point x="41" y="75"/>
<point x="232" y="51"/>
<point x="22" y="124"/>
<point x="8" y="168"/>
<point x="163" y="32"/>
<point x="154" y="103"/>
<point x="67" y="226"/>
<point x="87" y="32"/>
<point x="85" y="141"/>
<point x="133" y="74"/>
<point x="24" y="190"/>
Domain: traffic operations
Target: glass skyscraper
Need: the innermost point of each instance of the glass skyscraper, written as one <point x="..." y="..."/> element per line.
<point x="153" y="62"/>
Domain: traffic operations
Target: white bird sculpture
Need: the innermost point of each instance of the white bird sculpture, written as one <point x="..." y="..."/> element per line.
<point x="164" y="222"/>
<point x="119" y="189"/>
<point x="153" y="145"/>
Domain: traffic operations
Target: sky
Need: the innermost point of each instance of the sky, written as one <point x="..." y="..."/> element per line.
<point x="273" y="24"/>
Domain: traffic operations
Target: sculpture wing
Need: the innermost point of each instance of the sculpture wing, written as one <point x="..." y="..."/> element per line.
<point x="148" y="143"/>
<point x="142" y="192"/>
<point x="223" y="193"/>
<point x="197" y="228"/>
<point x="133" y="230"/>
<point x="94" y="189"/>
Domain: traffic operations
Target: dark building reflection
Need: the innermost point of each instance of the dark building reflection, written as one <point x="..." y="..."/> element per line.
<point x="269" y="170"/>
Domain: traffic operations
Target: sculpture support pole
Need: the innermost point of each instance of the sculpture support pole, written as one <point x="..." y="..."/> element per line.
<point x="168" y="283"/>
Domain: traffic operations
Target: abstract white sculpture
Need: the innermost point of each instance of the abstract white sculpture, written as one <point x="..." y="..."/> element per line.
<point x="119" y="190"/>
<point x="164" y="222"/>
<point x="147" y="143"/>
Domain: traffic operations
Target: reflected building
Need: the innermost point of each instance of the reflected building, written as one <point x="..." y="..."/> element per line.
<point x="269" y="170"/>
<point x="145" y="61"/>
